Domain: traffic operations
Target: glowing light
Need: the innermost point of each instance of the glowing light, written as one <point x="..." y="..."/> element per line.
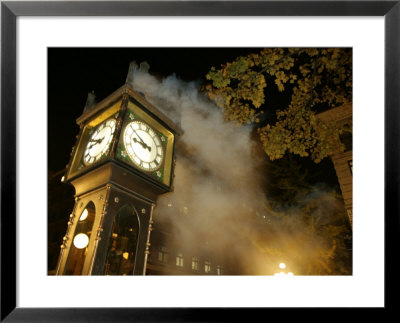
<point x="280" y="274"/>
<point x="62" y="179"/>
<point x="284" y="274"/>
<point x="84" y="215"/>
<point x="125" y="255"/>
<point x="282" y="265"/>
<point x="81" y="240"/>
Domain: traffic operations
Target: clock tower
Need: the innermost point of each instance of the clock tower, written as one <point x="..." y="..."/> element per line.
<point x="122" y="161"/>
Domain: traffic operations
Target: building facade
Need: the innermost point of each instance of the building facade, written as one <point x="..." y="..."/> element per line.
<point x="343" y="161"/>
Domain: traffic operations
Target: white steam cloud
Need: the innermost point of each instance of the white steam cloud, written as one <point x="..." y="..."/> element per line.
<point x="218" y="204"/>
<point x="216" y="185"/>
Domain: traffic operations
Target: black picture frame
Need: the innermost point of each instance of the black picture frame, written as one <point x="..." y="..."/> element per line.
<point x="10" y="10"/>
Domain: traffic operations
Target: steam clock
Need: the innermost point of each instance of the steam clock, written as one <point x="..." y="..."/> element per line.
<point x="122" y="161"/>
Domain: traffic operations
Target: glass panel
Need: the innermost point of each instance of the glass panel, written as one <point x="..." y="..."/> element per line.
<point x="123" y="242"/>
<point x="195" y="263"/>
<point x="163" y="254"/>
<point x="179" y="260"/>
<point x="207" y="267"/>
<point x="80" y="241"/>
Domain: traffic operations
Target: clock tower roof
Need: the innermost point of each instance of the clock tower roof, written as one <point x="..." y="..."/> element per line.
<point x="93" y="109"/>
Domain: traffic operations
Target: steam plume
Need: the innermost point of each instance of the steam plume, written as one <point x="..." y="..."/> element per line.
<point x="215" y="182"/>
<point x="218" y="197"/>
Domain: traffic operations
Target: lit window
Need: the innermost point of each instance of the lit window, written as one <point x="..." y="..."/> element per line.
<point x="219" y="270"/>
<point x="207" y="267"/>
<point x="195" y="263"/>
<point x="179" y="260"/>
<point x="163" y="254"/>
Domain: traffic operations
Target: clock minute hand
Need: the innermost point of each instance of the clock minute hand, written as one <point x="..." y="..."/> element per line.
<point x="139" y="137"/>
<point x="144" y="145"/>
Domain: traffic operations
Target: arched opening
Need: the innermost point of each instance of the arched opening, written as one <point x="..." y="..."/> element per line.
<point x="122" y="247"/>
<point x="80" y="241"/>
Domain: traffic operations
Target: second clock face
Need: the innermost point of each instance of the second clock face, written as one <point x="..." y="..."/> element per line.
<point x="143" y="146"/>
<point x="99" y="142"/>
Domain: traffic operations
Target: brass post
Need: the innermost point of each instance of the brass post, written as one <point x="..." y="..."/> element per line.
<point x="147" y="252"/>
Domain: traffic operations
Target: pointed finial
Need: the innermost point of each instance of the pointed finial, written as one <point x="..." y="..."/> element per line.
<point x="90" y="101"/>
<point x="132" y="68"/>
<point x="144" y="67"/>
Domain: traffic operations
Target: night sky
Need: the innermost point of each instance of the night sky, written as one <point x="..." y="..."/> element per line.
<point x="73" y="72"/>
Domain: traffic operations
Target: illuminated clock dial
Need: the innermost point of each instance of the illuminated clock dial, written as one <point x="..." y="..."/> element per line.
<point x="143" y="146"/>
<point x="99" y="142"/>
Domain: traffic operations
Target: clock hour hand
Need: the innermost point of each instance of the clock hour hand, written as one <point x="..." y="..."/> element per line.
<point x="90" y="147"/>
<point x="95" y="142"/>
<point x="144" y="145"/>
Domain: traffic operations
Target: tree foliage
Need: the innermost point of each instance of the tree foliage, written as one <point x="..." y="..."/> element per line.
<point x="313" y="78"/>
<point x="306" y="222"/>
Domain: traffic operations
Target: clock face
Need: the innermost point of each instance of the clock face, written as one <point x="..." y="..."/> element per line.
<point x="99" y="142"/>
<point x="143" y="146"/>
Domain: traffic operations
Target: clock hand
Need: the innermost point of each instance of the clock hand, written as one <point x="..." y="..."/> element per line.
<point x="144" y="145"/>
<point x="95" y="142"/>
<point x="139" y="136"/>
<point x="90" y="147"/>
